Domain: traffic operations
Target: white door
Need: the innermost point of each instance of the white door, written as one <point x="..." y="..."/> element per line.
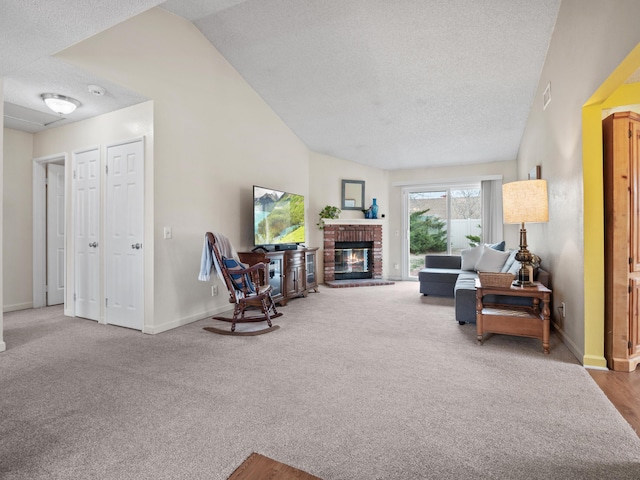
<point x="86" y="218"/>
<point x="123" y="235"/>
<point x="55" y="234"/>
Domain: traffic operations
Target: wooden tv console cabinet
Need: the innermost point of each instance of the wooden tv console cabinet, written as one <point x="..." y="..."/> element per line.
<point x="292" y="273"/>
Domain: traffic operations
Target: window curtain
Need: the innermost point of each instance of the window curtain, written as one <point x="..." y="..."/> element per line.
<point x="492" y="226"/>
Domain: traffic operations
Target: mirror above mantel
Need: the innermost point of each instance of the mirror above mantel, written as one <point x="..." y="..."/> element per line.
<point x="352" y="195"/>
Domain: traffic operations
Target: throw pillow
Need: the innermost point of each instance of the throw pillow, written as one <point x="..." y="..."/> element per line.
<point x="470" y="257"/>
<point x="491" y="260"/>
<point x="238" y="279"/>
<point x="496" y="246"/>
<point x="510" y="260"/>
<point x="515" y="268"/>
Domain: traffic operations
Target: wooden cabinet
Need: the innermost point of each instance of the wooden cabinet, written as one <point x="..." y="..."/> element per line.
<point x="294" y="276"/>
<point x="292" y="273"/>
<point x="311" y="269"/>
<point x="621" y="140"/>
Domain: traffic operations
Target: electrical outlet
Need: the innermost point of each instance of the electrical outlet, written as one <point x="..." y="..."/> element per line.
<point x="214" y="290"/>
<point x="396" y="266"/>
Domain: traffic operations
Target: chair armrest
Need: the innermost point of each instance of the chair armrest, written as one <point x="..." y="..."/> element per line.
<point x="257" y="273"/>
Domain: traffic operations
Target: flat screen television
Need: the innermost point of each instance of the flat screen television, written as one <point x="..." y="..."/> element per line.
<point x="278" y="218"/>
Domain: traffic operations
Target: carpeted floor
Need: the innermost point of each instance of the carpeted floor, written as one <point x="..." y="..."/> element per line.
<point x="358" y="383"/>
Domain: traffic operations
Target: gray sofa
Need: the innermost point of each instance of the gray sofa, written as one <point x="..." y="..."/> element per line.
<point x="444" y="277"/>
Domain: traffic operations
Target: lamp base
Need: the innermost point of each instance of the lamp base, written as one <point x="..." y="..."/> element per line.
<point x="525" y="275"/>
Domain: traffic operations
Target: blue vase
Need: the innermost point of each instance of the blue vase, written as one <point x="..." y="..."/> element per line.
<point x="374" y="209"/>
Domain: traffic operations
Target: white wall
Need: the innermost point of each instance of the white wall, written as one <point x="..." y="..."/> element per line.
<point x="16" y="213"/>
<point x="214" y="139"/>
<point x="325" y="188"/>
<point x="591" y="38"/>
<point x="398" y="179"/>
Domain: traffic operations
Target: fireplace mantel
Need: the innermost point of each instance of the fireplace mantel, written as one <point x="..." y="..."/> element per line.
<point x="354" y="221"/>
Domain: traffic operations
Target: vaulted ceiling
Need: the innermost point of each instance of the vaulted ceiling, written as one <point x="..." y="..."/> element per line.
<point x="391" y="84"/>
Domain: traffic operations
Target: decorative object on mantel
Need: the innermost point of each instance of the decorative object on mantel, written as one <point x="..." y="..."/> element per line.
<point x="367" y="213"/>
<point x="374" y="209"/>
<point x="328" y="211"/>
<point x="525" y="201"/>
<point x="352" y="194"/>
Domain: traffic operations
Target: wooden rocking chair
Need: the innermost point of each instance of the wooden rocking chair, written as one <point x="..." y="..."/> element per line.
<point x="244" y="286"/>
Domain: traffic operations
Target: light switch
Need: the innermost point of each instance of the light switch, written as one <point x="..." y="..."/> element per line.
<point x="168" y="233"/>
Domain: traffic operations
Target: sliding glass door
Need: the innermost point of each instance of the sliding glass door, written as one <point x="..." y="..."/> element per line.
<point x="442" y="221"/>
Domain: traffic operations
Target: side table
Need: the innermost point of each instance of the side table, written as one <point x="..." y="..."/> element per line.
<point x="525" y="321"/>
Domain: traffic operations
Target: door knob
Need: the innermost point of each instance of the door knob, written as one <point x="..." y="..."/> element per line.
<point x="94" y="244"/>
<point x="136" y="246"/>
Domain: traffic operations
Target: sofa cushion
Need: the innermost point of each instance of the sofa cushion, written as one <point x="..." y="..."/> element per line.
<point x="515" y="267"/>
<point x="470" y="257"/>
<point x="438" y="275"/>
<point x="491" y="260"/>
<point x="510" y="260"/>
<point x="442" y="261"/>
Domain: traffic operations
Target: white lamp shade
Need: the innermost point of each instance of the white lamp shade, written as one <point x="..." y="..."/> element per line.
<point x="59" y="103"/>
<point x="525" y="202"/>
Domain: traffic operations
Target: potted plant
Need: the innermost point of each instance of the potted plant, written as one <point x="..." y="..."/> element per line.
<point x="330" y="212"/>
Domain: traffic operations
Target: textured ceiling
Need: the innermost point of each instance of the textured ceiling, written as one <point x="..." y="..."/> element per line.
<point x="30" y="32"/>
<point x="392" y="84"/>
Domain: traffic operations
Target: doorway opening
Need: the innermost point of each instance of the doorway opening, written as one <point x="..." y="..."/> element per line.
<point x="49" y="231"/>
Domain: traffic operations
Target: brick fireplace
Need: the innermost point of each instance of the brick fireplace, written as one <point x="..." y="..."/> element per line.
<point x="353" y="231"/>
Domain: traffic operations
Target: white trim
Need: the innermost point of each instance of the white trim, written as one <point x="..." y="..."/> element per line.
<point x="446" y="182"/>
<point x="39" y="208"/>
<point x="589" y="367"/>
<point x="17" y="306"/>
<point x="404" y="234"/>
<point x="573" y="348"/>
<point x="124" y="142"/>
<point x="152" y="330"/>
<point x="354" y="221"/>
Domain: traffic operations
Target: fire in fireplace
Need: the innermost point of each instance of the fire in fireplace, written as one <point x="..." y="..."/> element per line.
<point x="353" y="260"/>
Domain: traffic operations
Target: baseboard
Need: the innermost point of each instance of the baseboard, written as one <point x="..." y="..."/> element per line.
<point x="17" y="306"/>
<point x="153" y="330"/>
<point x="591" y="367"/>
<point x="573" y="348"/>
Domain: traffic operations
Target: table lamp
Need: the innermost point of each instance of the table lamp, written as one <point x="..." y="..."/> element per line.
<point x="525" y="202"/>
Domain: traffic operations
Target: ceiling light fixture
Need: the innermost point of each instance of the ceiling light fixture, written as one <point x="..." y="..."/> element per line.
<point x="59" y="103"/>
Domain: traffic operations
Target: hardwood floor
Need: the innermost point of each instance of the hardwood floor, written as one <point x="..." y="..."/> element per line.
<point x="623" y="389"/>
<point x="259" y="467"/>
